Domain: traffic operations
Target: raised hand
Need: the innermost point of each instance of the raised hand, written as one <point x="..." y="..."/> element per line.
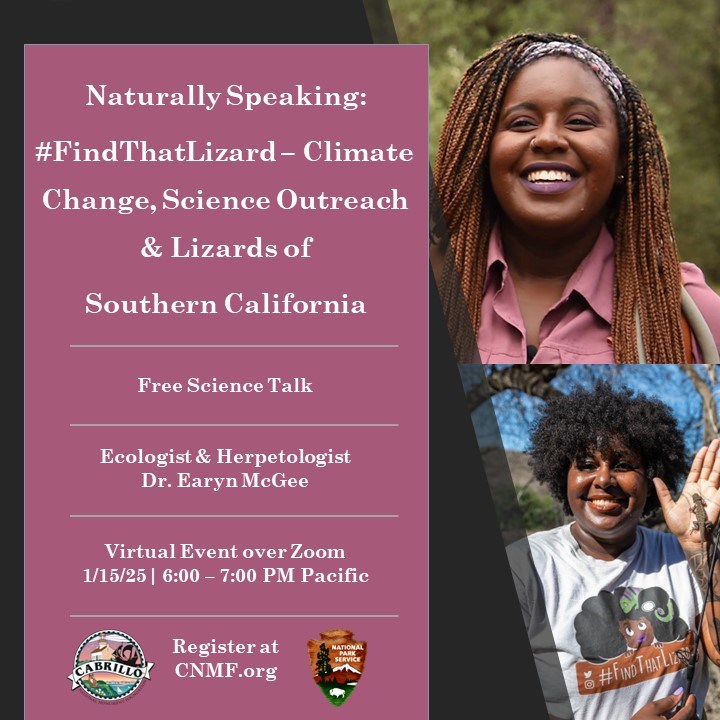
<point x="703" y="480"/>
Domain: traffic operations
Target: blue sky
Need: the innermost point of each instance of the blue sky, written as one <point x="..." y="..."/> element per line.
<point x="515" y="410"/>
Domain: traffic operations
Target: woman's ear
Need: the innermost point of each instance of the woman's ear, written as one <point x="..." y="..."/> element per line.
<point x="621" y="165"/>
<point x="620" y="174"/>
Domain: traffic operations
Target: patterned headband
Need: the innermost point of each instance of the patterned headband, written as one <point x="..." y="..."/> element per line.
<point x="605" y="73"/>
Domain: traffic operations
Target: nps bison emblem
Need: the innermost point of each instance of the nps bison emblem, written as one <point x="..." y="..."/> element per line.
<point x="337" y="661"/>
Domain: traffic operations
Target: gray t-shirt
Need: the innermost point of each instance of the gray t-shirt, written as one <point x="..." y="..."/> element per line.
<point x="619" y="632"/>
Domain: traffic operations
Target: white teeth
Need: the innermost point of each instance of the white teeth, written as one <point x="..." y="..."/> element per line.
<point x="549" y="176"/>
<point x="603" y="503"/>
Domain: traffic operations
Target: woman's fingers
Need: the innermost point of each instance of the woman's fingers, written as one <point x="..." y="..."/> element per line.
<point x="710" y="468"/>
<point x="666" y="500"/>
<point x="663" y="708"/>
<point x="697" y="465"/>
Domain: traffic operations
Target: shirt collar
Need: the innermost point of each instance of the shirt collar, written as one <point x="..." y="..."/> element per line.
<point x="591" y="279"/>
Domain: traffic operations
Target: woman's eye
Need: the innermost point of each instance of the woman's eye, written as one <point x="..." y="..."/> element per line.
<point x="642" y="626"/>
<point x="629" y="632"/>
<point x="521" y="124"/>
<point x="586" y="465"/>
<point x="581" y="120"/>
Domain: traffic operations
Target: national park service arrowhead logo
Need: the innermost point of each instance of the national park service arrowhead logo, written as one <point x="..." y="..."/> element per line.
<point x="337" y="661"/>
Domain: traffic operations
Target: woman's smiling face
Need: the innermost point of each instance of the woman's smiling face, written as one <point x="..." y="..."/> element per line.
<point x="555" y="154"/>
<point x="607" y="493"/>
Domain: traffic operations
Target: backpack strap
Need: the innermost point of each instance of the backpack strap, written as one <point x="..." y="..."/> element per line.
<point x="642" y="359"/>
<point x="700" y="328"/>
<point x="687" y="338"/>
<point x="693" y="323"/>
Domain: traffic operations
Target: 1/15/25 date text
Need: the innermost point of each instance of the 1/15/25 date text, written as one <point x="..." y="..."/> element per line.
<point x="225" y="575"/>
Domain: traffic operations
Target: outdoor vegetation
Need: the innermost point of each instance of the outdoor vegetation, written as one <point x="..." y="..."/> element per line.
<point x="668" y="49"/>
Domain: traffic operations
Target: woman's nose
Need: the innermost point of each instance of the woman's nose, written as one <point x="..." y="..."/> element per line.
<point x="603" y="476"/>
<point x="548" y="138"/>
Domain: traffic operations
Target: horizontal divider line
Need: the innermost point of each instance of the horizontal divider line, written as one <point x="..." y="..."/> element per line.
<point x="231" y="516"/>
<point x="235" y="346"/>
<point x="234" y="616"/>
<point x="234" y="424"/>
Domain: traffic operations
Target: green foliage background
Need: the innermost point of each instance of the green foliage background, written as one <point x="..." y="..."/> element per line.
<point x="539" y="511"/>
<point x="670" y="50"/>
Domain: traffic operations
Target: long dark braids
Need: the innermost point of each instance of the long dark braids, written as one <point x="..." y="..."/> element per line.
<point x="647" y="280"/>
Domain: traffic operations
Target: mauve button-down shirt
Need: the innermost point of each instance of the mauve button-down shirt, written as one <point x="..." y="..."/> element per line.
<point x="576" y="329"/>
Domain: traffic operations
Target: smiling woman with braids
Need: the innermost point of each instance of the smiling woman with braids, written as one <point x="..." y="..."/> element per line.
<point x="614" y="610"/>
<point x="552" y="239"/>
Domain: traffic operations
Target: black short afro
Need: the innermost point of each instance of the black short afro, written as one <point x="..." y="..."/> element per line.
<point x="572" y="424"/>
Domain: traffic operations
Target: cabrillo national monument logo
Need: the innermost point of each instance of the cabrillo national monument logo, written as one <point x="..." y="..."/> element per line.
<point x="109" y="666"/>
<point x="337" y="661"/>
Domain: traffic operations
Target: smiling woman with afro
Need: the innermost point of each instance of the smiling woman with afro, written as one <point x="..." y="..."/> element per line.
<point x="583" y="420"/>
<point x="606" y="601"/>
